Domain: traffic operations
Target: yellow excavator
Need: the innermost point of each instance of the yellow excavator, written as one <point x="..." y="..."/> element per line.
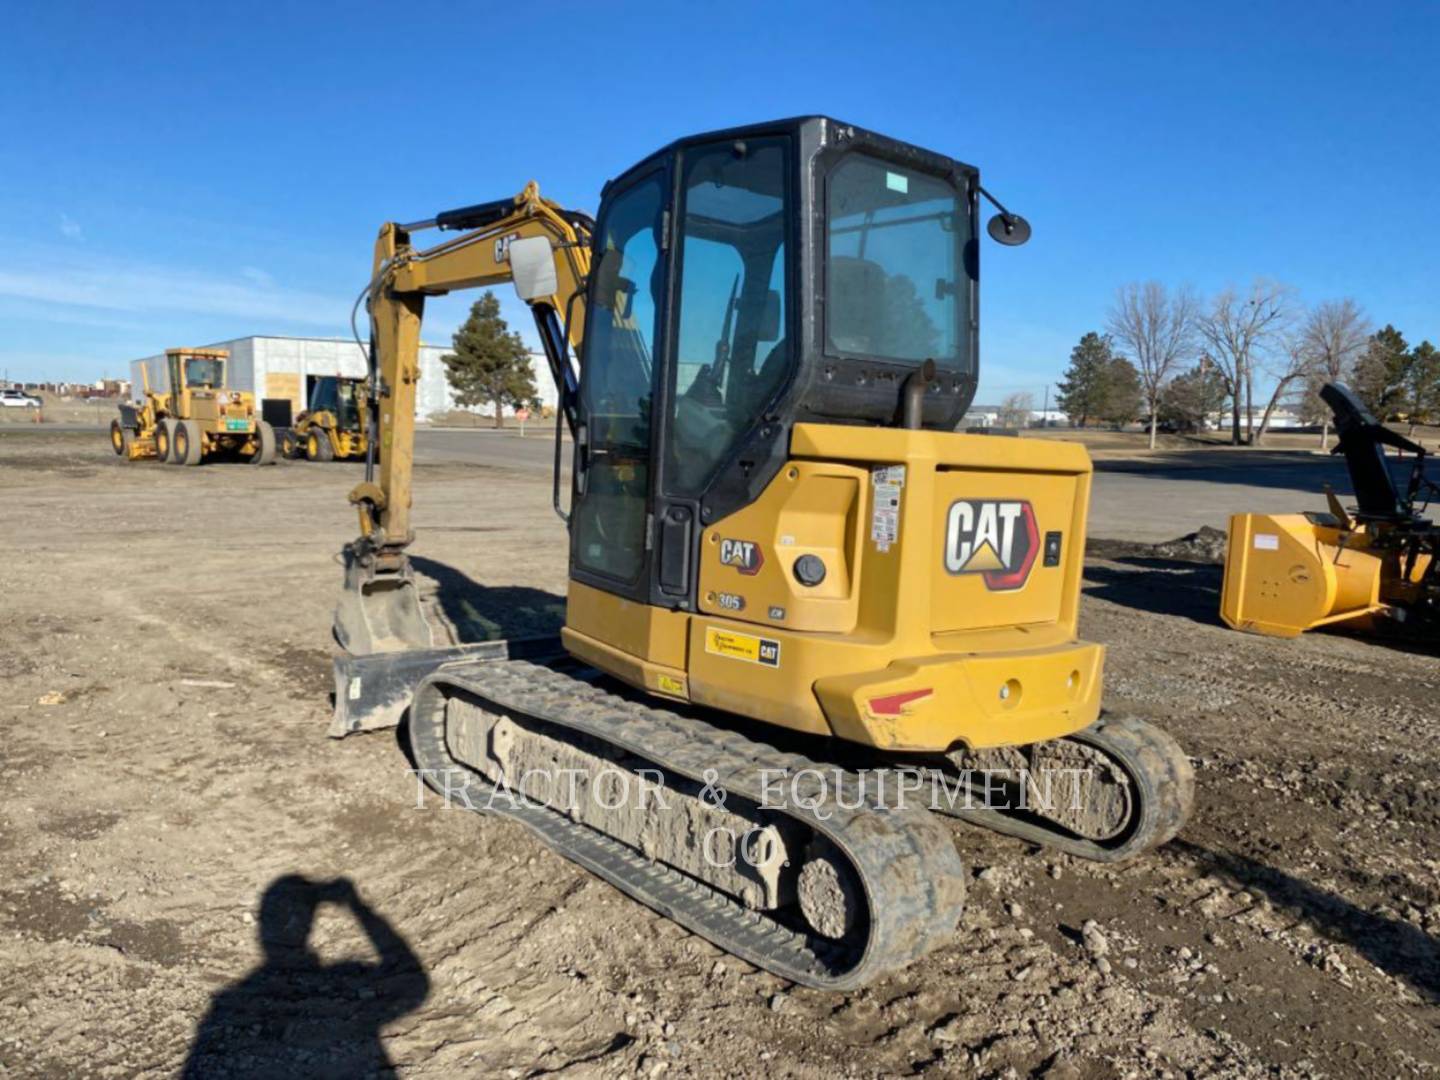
<point x="1369" y="567"/>
<point x="803" y="613"/>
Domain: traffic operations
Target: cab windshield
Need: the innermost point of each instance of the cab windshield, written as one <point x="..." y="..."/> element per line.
<point x="204" y="371"/>
<point x="894" y="263"/>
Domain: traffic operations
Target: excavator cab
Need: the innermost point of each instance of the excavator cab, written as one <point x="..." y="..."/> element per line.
<point x="743" y="282"/>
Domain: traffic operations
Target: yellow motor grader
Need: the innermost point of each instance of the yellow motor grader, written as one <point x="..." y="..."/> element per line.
<point x="332" y="427"/>
<point x="803" y="611"/>
<point x="196" y="418"/>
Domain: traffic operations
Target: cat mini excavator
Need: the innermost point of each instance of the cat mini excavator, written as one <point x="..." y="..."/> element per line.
<point x="771" y="519"/>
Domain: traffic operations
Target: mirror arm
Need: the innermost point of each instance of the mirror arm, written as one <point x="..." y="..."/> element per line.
<point x="1006" y="214"/>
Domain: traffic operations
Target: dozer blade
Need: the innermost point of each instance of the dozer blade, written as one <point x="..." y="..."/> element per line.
<point x="379" y="612"/>
<point x="373" y="691"/>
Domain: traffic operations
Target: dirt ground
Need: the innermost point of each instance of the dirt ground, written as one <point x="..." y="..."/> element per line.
<point x="191" y="872"/>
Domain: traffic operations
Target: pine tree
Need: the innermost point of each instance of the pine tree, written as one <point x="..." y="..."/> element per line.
<point x="490" y="364"/>
<point x="1192" y="397"/>
<point x="1081" y="392"/>
<point x="1423" y="384"/>
<point x="1382" y="374"/>
<point x="1121" y="395"/>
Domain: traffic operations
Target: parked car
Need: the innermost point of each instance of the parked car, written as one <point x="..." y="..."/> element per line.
<point x="18" y="399"/>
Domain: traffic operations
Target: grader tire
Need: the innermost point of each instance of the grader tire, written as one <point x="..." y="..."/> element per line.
<point x="289" y="445"/>
<point x="265" y="452"/>
<point x="121" y="439"/>
<point x="189" y="445"/>
<point x="164" y="440"/>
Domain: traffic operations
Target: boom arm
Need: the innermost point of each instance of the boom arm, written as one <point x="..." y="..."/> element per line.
<point x="403" y="276"/>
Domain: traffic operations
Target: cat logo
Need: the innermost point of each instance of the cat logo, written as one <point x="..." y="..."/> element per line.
<point x="995" y="538"/>
<point x="743" y="555"/>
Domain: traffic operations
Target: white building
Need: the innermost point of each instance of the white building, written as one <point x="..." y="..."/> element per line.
<point x="285" y="367"/>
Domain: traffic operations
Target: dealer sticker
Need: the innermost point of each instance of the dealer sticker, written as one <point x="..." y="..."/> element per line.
<point x="885" y="515"/>
<point x="754" y="650"/>
<point x="1267" y="542"/>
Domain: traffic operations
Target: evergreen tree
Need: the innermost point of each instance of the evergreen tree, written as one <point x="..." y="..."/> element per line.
<point x="1121" y="395"/>
<point x="1423" y="384"/>
<point x="1383" y="375"/>
<point x="490" y="364"/>
<point x="1081" y="391"/>
<point x="1193" y="397"/>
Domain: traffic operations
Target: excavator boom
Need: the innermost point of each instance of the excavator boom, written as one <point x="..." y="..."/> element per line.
<point x="379" y="611"/>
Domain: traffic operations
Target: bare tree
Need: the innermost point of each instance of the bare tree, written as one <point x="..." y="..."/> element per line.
<point x="1290" y="363"/>
<point x="1157" y="329"/>
<point x="1015" y="410"/>
<point x="1334" y="334"/>
<point x="1239" y="331"/>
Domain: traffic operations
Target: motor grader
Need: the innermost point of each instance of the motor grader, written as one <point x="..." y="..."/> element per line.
<point x="803" y="612"/>
<point x="332" y="427"/>
<point x="196" y="418"/>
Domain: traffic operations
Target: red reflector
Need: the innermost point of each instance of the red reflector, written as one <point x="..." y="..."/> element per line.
<point x="894" y="704"/>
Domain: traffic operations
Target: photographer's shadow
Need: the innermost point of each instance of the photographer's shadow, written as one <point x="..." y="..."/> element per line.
<point x="297" y="1016"/>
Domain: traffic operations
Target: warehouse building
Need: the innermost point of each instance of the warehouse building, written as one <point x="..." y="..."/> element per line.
<point x="287" y="367"/>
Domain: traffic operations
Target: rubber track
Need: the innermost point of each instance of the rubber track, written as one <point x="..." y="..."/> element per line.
<point x="912" y="876"/>
<point x="1164" y="786"/>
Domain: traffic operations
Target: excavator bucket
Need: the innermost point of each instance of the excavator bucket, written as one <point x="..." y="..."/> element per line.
<point x="389" y="648"/>
<point x="379" y="612"/>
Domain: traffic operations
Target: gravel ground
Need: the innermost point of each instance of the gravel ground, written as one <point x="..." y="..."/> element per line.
<point x="191" y="872"/>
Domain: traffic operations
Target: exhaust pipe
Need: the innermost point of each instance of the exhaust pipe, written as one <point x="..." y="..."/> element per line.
<point x="912" y="410"/>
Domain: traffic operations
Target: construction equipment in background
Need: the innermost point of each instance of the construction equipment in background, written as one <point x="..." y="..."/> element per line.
<point x="1367" y="567"/>
<point x="196" y="418"/>
<point x="332" y="427"/>
<point x="771" y="519"/>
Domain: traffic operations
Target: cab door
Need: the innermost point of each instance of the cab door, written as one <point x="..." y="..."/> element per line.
<point x="610" y="547"/>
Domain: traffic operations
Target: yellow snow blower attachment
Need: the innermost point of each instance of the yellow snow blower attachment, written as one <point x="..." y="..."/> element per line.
<point x="1288" y="573"/>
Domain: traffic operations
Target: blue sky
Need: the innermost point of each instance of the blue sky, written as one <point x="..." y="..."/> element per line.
<point x="183" y="173"/>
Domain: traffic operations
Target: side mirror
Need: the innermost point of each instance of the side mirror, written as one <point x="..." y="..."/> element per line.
<point x="770" y="318"/>
<point x="532" y="268"/>
<point x="1012" y="230"/>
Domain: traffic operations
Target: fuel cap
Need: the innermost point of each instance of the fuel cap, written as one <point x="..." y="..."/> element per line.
<point x="810" y="570"/>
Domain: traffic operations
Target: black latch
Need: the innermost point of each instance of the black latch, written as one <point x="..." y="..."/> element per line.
<point x="1052" y="548"/>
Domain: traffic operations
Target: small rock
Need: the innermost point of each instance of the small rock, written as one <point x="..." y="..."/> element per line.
<point x="777" y="1002"/>
<point x="952" y="1031"/>
<point x="719" y="968"/>
<point x="1185" y="953"/>
<point x="1015" y="910"/>
<point x="1103" y="966"/>
<point x="1055" y="873"/>
<point x="1096" y="943"/>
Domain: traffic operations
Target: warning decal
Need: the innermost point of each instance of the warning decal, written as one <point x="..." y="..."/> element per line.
<point x="885" y="514"/>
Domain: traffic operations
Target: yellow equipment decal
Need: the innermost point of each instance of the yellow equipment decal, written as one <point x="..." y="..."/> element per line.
<point x="756" y="650"/>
